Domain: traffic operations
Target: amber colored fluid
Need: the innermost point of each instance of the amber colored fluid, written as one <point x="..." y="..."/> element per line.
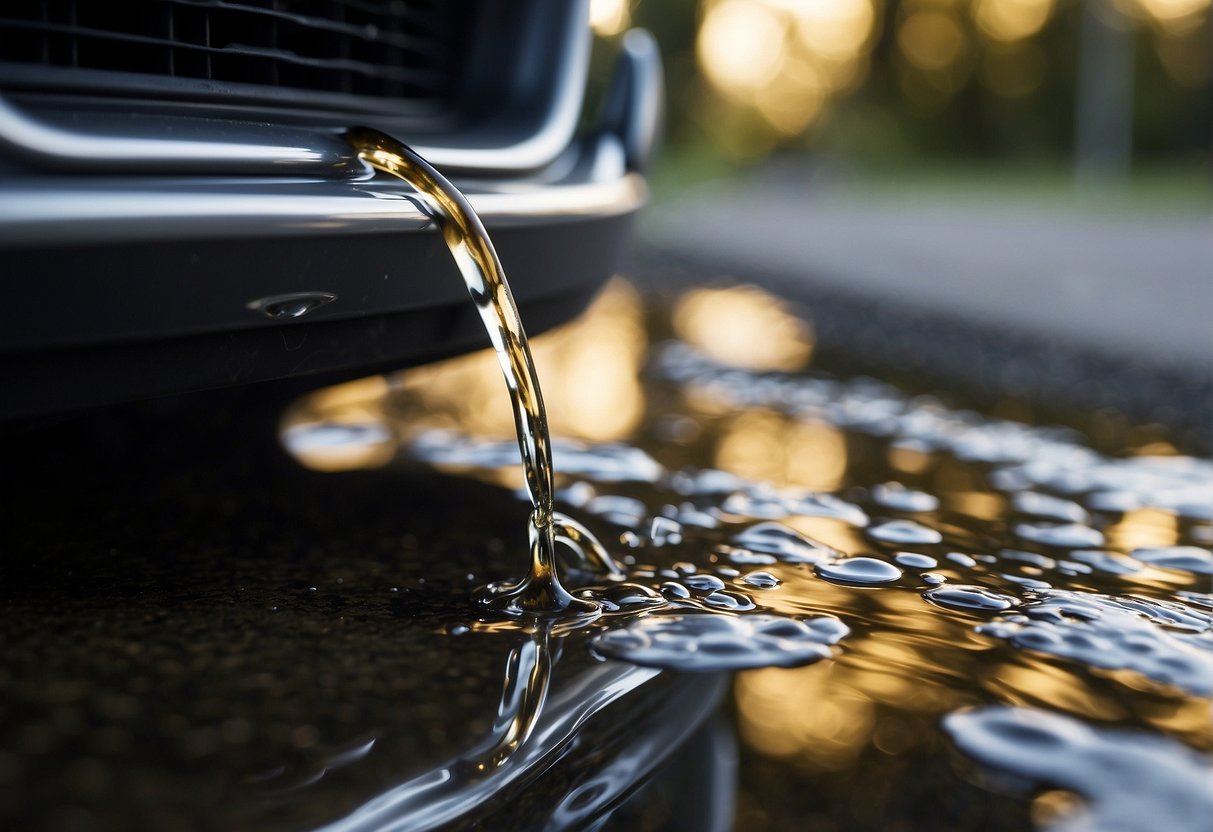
<point x="540" y="591"/>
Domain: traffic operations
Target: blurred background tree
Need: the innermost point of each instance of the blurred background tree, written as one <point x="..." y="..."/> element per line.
<point x="1106" y="87"/>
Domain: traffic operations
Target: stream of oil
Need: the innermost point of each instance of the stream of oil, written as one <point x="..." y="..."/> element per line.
<point x="540" y="592"/>
<point x="709" y="638"/>
<point x="698" y="641"/>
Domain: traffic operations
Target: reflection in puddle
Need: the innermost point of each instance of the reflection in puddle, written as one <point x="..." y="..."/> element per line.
<point x="959" y="559"/>
<point x="448" y="792"/>
<point x="527" y="731"/>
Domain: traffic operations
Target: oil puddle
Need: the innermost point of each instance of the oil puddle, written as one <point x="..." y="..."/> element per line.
<point x="681" y="642"/>
<point x="192" y="651"/>
<point x="767" y="515"/>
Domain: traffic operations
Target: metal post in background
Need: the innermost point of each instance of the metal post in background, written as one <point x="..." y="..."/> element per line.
<point x="1103" y="125"/>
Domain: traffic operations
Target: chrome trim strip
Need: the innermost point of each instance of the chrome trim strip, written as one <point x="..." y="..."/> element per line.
<point x="64" y="211"/>
<point x="277" y="150"/>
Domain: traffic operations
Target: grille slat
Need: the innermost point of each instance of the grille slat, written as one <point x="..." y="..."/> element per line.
<point x="367" y="33"/>
<point x="408" y="50"/>
<point x="402" y="74"/>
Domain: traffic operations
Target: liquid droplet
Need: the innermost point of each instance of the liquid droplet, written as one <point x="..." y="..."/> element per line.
<point x="1049" y="507"/>
<point x="784" y="543"/>
<point x="703" y="583"/>
<point x="293" y="305"/>
<point x="1185" y="558"/>
<point x="623" y="598"/>
<point x="624" y="511"/>
<point x="904" y="532"/>
<point x="914" y="560"/>
<point x="859" y="571"/>
<point x="965" y="597"/>
<point x="962" y="559"/>
<point x="665" y="532"/>
<point x="1062" y="535"/>
<point x="675" y="591"/>
<point x="1030" y="583"/>
<point x="728" y="600"/>
<point x="895" y="496"/>
<point x="716" y="642"/>
<point x="761" y="580"/>
<point x="744" y="557"/>
<point x="764" y="502"/>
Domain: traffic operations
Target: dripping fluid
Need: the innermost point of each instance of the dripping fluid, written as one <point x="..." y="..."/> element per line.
<point x="540" y="591"/>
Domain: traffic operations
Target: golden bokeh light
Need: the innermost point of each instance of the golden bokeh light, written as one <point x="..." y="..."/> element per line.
<point x="610" y="17"/>
<point x="987" y="505"/>
<point x="782" y="59"/>
<point x="834" y="30"/>
<point x="834" y="533"/>
<point x="824" y="716"/>
<point x="741" y="46"/>
<point x="773" y="71"/>
<point x="1037" y="682"/>
<point x="593" y="368"/>
<point x="764" y="445"/>
<point x="1054" y="809"/>
<point x="931" y="40"/>
<point x="591" y="386"/>
<point x="1011" y="20"/>
<point x="1173" y="15"/>
<point x="805" y="713"/>
<point x="590" y="371"/>
<point x="744" y="326"/>
<point x="1188" y="717"/>
<point x="752" y="445"/>
<point x="359" y="397"/>
<point x="791" y="106"/>
<point x="817" y="456"/>
<point x="341" y="428"/>
<point x="1142" y="528"/>
<point x="909" y="460"/>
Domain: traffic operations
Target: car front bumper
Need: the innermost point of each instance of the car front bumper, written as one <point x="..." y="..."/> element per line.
<point x="141" y="261"/>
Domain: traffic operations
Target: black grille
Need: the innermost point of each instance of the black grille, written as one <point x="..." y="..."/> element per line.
<point x="397" y="49"/>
